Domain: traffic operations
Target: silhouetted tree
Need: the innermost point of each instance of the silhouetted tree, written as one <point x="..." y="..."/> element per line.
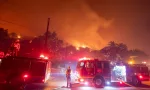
<point x="115" y="51"/>
<point x="3" y="35"/>
<point x="54" y="44"/>
<point x="123" y="51"/>
<point x="139" y="55"/>
<point x="4" y="39"/>
<point x="13" y="35"/>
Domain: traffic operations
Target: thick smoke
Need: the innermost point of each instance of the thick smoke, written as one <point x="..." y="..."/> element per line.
<point x="91" y="23"/>
<point x="74" y="21"/>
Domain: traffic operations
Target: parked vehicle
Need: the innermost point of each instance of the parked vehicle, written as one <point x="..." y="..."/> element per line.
<point x="21" y="71"/>
<point x="102" y="72"/>
<point x="94" y="71"/>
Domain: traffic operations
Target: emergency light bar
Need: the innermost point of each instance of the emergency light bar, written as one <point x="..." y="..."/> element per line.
<point x="43" y="57"/>
<point x="85" y="58"/>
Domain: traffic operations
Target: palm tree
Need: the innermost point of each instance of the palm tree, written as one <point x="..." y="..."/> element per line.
<point x="114" y="50"/>
<point x="112" y="44"/>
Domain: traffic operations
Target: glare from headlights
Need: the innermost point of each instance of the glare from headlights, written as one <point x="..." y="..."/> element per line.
<point x="108" y="83"/>
<point x="86" y="83"/>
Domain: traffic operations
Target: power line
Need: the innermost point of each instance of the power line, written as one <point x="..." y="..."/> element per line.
<point x="6" y="2"/>
<point x="12" y="23"/>
<point x="12" y="11"/>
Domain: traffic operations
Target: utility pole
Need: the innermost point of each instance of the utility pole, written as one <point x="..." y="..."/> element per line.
<point x="46" y="34"/>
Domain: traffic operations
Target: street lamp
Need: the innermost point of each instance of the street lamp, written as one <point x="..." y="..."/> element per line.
<point x="130" y="62"/>
<point x="18" y="36"/>
<point x="77" y="48"/>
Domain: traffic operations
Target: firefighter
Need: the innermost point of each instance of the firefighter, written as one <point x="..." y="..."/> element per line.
<point x="68" y="76"/>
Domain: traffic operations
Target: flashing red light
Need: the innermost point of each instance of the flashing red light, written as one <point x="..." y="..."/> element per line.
<point x="43" y="80"/>
<point x="120" y="82"/>
<point x="25" y="76"/>
<point x="99" y="70"/>
<point x="84" y="58"/>
<point x="41" y="56"/>
<point x="45" y="57"/>
<point x="140" y="77"/>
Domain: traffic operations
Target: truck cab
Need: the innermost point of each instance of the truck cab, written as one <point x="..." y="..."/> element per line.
<point x="93" y="71"/>
<point x="21" y="71"/>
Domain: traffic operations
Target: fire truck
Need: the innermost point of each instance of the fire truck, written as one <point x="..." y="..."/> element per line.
<point x="18" y="72"/>
<point x="102" y="72"/>
<point x="136" y="73"/>
<point x="130" y="73"/>
<point x="93" y="71"/>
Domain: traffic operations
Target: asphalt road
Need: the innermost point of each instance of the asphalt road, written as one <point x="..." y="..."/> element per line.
<point x="58" y="82"/>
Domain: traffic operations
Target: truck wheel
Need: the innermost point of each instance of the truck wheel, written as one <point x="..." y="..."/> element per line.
<point x="98" y="82"/>
<point x="136" y="81"/>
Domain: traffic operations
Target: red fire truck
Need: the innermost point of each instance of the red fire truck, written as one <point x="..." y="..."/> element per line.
<point x="18" y="72"/>
<point x="130" y="73"/>
<point x="93" y="71"/>
<point x="136" y="73"/>
<point x="100" y="72"/>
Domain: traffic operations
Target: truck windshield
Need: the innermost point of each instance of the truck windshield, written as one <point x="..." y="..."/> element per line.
<point x="89" y="64"/>
<point x="80" y="64"/>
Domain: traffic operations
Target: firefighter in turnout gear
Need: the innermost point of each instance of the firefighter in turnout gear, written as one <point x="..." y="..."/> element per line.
<point x="68" y="76"/>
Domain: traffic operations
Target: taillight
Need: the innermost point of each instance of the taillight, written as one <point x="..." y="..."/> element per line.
<point x="99" y="70"/>
<point x="43" y="80"/>
<point x="140" y="77"/>
<point x="25" y="76"/>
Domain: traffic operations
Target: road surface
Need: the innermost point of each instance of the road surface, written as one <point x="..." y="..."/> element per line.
<point x="58" y="82"/>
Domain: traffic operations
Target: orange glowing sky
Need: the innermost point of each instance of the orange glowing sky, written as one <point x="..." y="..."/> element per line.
<point x="91" y="23"/>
